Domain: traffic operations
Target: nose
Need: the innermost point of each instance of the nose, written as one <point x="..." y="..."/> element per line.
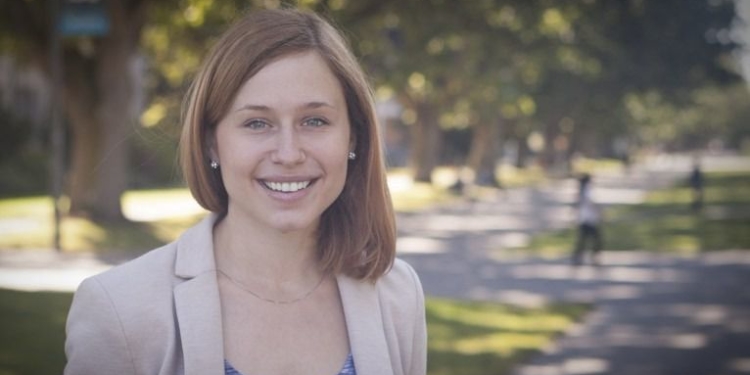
<point x="288" y="148"/>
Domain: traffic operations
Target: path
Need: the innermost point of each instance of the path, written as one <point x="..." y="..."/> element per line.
<point x="653" y="314"/>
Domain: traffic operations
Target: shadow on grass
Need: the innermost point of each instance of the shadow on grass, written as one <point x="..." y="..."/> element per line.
<point x="489" y="338"/>
<point x="32" y="332"/>
<point x="114" y="243"/>
<point x="27" y="223"/>
<point x="126" y="236"/>
<point x="124" y="239"/>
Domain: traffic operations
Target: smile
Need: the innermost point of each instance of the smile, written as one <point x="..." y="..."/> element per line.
<point x="286" y="187"/>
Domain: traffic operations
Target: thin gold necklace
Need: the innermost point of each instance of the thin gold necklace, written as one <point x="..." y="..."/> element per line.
<point x="274" y="301"/>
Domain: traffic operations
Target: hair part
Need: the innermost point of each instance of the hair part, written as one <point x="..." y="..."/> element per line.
<point x="357" y="234"/>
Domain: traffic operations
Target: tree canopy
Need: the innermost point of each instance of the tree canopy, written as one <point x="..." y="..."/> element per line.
<point x="580" y="74"/>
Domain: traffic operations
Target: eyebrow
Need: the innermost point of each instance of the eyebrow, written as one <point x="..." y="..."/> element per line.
<point x="265" y="108"/>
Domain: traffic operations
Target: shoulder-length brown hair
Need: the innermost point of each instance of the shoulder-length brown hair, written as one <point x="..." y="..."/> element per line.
<point x="357" y="232"/>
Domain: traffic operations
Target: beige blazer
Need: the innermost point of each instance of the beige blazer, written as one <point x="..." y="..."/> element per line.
<point x="160" y="314"/>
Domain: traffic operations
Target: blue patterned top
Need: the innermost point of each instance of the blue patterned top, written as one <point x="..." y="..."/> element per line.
<point x="348" y="368"/>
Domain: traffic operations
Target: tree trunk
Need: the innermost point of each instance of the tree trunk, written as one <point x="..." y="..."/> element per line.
<point x="484" y="152"/>
<point x="426" y="142"/>
<point x="523" y="152"/>
<point x="85" y="146"/>
<point x="548" y="152"/>
<point x="101" y="116"/>
<point x="115" y="118"/>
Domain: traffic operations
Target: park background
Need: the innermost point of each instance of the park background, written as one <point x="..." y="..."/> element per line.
<point x="475" y="98"/>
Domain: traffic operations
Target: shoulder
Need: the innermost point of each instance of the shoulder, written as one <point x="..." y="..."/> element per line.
<point x="399" y="279"/>
<point x="123" y="321"/>
<point x="121" y="313"/>
<point x="144" y="274"/>
<point x="398" y="288"/>
<point x="400" y="291"/>
<point x="136" y="288"/>
<point x="142" y="283"/>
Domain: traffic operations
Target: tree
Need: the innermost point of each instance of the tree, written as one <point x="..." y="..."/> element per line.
<point x="451" y="67"/>
<point x="495" y="68"/>
<point x="99" y="94"/>
<point x="625" y="49"/>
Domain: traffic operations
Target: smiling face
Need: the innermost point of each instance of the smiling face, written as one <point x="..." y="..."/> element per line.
<point x="283" y="145"/>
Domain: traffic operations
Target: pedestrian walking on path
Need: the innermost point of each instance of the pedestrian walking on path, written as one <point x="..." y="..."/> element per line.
<point x="696" y="184"/>
<point x="589" y="216"/>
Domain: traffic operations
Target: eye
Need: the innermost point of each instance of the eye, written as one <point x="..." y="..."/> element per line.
<point x="315" y="122"/>
<point x="256" y="124"/>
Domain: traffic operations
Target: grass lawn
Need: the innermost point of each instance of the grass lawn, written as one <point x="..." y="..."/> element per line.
<point x="27" y="223"/>
<point x="666" y="223"/>
<point x="482" y="338"/>
<point x="464" y="337"/>
<point x="159" y="216"/>
<point x="32" y="332"/>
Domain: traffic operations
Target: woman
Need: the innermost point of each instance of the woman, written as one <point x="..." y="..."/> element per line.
<point x="294" y="271"/>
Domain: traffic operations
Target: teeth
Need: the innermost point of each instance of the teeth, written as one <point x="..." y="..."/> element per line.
<point x="286" y="187"/>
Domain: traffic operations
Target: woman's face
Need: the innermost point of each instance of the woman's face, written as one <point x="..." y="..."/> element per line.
<point x="283" y="145"/>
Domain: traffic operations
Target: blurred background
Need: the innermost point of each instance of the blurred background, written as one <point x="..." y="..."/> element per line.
<point x="477" y="100"/>
<point x="466" y="84"/>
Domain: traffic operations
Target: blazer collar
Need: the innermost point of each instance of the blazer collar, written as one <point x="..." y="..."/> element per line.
<point x="197" y="302"/>
<point x="195" y="249"/>
<point x="364" y="324"/>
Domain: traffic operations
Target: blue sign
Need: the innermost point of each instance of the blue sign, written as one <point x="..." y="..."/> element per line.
<point x="83" y="17"/>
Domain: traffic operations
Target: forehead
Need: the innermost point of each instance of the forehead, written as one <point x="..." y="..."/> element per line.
<point x="292" y="79"/>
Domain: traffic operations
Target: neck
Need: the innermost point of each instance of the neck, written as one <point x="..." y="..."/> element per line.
<point x="265" y="256"/>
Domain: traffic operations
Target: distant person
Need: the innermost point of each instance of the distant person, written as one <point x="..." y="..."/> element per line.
<point x="622" y="151"/>
<point x="294" y="270"/>
<point x="696" y="185"/>
<point x="626" y="162"/>
<point x="589" y="217"/>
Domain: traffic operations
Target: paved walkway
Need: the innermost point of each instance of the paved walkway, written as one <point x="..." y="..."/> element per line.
<point x="653" y="314"/>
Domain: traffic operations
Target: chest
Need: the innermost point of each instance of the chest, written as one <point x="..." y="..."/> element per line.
<point x="306" y="337"/>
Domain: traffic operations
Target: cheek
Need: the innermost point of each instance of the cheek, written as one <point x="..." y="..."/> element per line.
<point x="336" y="163"/>
<point x="234" y="155"/>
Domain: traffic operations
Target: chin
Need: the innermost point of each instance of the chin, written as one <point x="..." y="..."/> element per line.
<point x="289" y="226"/>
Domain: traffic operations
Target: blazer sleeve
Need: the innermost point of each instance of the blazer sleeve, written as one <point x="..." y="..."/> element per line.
<point x="95" y="339"/>
<point x="419" y="348"/>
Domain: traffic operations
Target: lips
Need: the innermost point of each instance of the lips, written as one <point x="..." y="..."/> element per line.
<point x="286" y="186"/>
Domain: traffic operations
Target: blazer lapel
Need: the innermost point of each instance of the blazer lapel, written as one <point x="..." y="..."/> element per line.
<point x="364" y="324"/>
<point x="197" y="303"/>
